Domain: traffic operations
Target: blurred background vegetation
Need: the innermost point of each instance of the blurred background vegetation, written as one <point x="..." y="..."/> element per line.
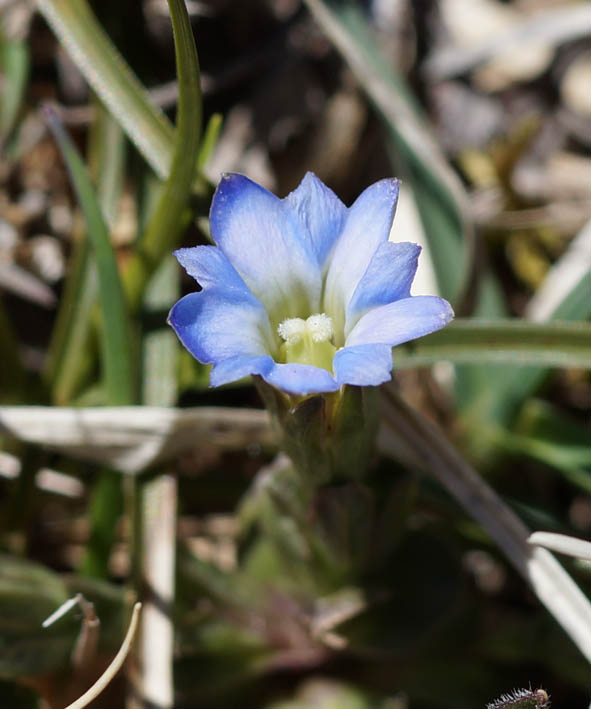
<point x="482" y="107"/>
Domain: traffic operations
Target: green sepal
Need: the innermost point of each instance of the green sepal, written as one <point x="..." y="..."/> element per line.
<point x="329" y="437"/>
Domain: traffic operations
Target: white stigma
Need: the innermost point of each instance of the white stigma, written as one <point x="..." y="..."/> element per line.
<point x="318" y="327"/>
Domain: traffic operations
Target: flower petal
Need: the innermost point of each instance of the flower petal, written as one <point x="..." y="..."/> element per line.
<point x="215" y="325"/>
<point x="301" y="379"/>
<point x="320" y="212"/>
<point x="363" y="365"/>
<point x="261" y="238"/>
<point x="388" y="278"/>
<point x="367" y="226"/>
<point x="209" y="267"/>
<point x="401" y="321"/>
<point x="230" y="370"/>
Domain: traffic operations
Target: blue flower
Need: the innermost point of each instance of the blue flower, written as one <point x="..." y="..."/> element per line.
<point x="303" y="291"/>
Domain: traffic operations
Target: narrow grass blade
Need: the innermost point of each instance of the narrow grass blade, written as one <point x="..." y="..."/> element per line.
<point x="160" y="345"/>
<point x="15" y="61"/>
<point x="115" y="335"/>
<point x="107" y="159"/>
<point x="72" y="355"/>
<point x="516" y="342"/>
<point x="109" y="75"/>
<point x="210" y="139"/>
<point x="104" y="511"/>
<point x="107" y="162"/>
<point x="171" y="214"/>
<point x="562" y="544"/>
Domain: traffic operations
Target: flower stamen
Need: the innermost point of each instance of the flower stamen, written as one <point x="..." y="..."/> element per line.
<point x="320" y="327"/>
<point x="292" y="330"/>
<point x="308" y="341"/>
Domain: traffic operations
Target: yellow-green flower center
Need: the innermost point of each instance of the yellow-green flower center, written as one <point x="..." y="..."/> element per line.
<point x="308" y="341"/>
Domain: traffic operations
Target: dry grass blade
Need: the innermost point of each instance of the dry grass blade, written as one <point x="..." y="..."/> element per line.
<point x="421" y="444"/>
<point x="562" y="544"/>
<point x="131" y="438"/>
<point x="155" y="681"/>
<point x="60" y="612"/>
<point x="102" y="682"/>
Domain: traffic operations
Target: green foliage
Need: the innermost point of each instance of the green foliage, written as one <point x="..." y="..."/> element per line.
<point x="471" y="340"/>
<point x="117" y="352"/>
<point x="15" y="61"/>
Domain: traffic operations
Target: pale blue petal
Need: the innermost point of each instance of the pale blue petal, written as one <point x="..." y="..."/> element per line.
<point x="235" y="368"/>
<point x="214" y="325"/>
<point x="388" y="278"/>
<point x="301" y="379"/>
<point x="401" y="321"/>
<point x="261" y="237"/>
<point x="363" y="365"/>
<point x="321" y="213"/>
<point x="210" y="268"/>
<point x="367" y="226"/>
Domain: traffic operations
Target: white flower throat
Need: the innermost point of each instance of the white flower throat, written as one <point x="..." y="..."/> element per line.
<point x="308" y="341"/>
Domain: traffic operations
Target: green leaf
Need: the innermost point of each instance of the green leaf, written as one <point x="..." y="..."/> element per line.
<point x="71" y="359"/>
<point x="576" y="304"/>
<point x="15" y="61"/>
<point x="107" y="160"/>
<point x="105" y="509"/>
<point x="109" y="75"/>
<point x="471" y="341"/>
<point x="210" y="139"/>
<point x="544" y="433"/>
<point x="160" y="345"/>
<point x="171" y="214"/>
<point x="28" y="594"/>
<point x="115" y="334"/>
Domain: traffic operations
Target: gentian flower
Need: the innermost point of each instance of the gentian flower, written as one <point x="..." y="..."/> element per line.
<point x="303" y="291"/>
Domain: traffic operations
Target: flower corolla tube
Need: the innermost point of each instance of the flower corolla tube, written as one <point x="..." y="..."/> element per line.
<point x="306" y="293"/>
